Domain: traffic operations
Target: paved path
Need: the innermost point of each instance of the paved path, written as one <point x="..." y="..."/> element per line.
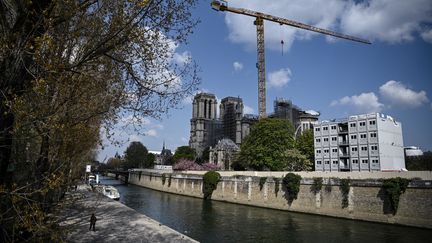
<point x="115" y="222"/>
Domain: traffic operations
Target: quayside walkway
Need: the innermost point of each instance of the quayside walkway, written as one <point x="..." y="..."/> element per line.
<point x="115" y="221"/>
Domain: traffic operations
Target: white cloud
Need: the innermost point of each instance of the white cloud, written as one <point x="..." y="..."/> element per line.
<point x="133" y="138"/>
<point x="158" y="126"/>
<point x="427" y="35"/>
<point x="243" y="31"/>
<point x="182" y="58"/>
<point x="238" y="66"/>
<point x="398" y="94"/>
<point x="151" y="133"/>
<point x="279" y="78"/>
<point x="363" y="103"/>
<point x="248" y="110"/>
<point x="184" y="140"/>
<point x="189" y="99"/>
<point x="385" y="20"/>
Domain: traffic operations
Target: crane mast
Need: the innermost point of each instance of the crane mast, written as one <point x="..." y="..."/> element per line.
<point x="259" y="22"/>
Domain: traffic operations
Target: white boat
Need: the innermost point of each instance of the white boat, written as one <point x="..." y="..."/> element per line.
<point x="111" y="192"/>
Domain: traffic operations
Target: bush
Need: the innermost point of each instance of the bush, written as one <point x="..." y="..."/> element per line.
<point x="210" y="180"/>
<point x="345" y="188"/>
<point x="317" y="184"/>
<point x="169" y="180"/>
<point x="184" y="164"/>
<point x="394" y="187"/>
<point x="262" y="181"/>
<point x="209" y="166"/>
<point x="291" y="182"/>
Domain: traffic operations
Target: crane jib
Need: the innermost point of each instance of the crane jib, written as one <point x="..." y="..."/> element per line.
<point x="222" y="6"/>
<point x="217" y="5"/>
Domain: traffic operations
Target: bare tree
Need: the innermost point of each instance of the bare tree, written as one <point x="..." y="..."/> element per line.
<point x="66" y="69"/>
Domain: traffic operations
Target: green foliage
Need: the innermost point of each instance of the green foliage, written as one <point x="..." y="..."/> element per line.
<point x="317" y="184"/>
<point x="296" y="161"/>
<point x="204" y="157"/>
<point x="150" y="159"/>
<point x="114" y="163"/>
<point x="276" y="186"/>
<point x="291" y="182"/>
<point x="163" y="179"/>
<point x="184" y="152"/>
<point x="345" y="188"/>
<point x="264" y="148"/>
<point x="418" y="163"/>
<point x="305" y="144"/>
<point x="262" y="181"/>
<point x="394" y="187"/>
<point x="210" y="180"/>
<point x="136" y="156"/>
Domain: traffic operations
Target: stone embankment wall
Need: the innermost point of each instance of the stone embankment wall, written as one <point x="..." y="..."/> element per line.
<point x="366" y="198"/>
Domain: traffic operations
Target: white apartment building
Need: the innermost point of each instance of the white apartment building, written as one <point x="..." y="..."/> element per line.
<point x="369" y="142"/>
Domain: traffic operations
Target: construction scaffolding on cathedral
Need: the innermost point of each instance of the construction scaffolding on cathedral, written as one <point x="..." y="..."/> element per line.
<point x="223" y="135"/>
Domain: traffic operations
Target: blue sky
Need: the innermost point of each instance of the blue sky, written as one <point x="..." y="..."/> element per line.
<point x="338" y="78"/>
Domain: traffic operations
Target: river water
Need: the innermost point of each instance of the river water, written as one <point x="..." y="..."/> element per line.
<point x="211" y="221"/>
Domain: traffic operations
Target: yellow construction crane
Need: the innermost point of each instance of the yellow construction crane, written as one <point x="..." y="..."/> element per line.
<point x="259" y="22"/>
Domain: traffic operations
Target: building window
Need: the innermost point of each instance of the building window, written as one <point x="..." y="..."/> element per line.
<point x="327" y="162"/>
<point x="325" y="128"/>
<point x="355" y="161"/>
<point x="373" y="122"/>
<point x="318" y="151"/>
<point x="317" y="129"/>
<point x="374" y="147"/>
<point x="373" y="135"/>
<point x="354" y="149"/>
<point x="334" y="150"/>
<point x="334" y="139"/>
<point x="335" y="162"/>
<point x="318" y="140"/>
<point x="333" y="127"/>
<point x="364" y="148"/>
<point x="318" y="162"/>
<point x="364" y="161"/>
<point x="352" y="125"/>
<point x="362" y="135"/>
<point x="325" y="139"/>
<point x="362" y="124"/>
<point x="374" y="161"/>
<point x="353" y="136"/>
<point x="326" y="151"/>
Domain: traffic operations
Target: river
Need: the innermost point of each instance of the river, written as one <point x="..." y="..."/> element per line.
<point x="212" y="221"/>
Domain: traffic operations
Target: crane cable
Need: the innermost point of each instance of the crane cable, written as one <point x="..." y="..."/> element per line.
<point x="282" y="36"/>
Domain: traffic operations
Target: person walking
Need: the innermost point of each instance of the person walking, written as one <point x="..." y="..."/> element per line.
<point x="92" y="222"/>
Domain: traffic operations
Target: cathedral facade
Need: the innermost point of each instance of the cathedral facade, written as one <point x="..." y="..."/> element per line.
<point x="208" y="129"/>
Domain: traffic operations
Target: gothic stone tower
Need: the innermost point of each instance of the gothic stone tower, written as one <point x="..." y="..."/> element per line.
<point x="231" y="113"/>
<point x="203" y="122"/>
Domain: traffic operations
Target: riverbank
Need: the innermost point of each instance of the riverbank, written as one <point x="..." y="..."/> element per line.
<point x="366" y="199"/>
<point x="115" y="221"/>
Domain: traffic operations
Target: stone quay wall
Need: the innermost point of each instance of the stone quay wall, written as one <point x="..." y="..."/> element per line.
<point x="366" y="199"/>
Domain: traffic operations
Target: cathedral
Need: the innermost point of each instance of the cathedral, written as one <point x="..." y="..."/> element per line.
<point x="224" y="134"/>
<point x="207" y="129"/>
